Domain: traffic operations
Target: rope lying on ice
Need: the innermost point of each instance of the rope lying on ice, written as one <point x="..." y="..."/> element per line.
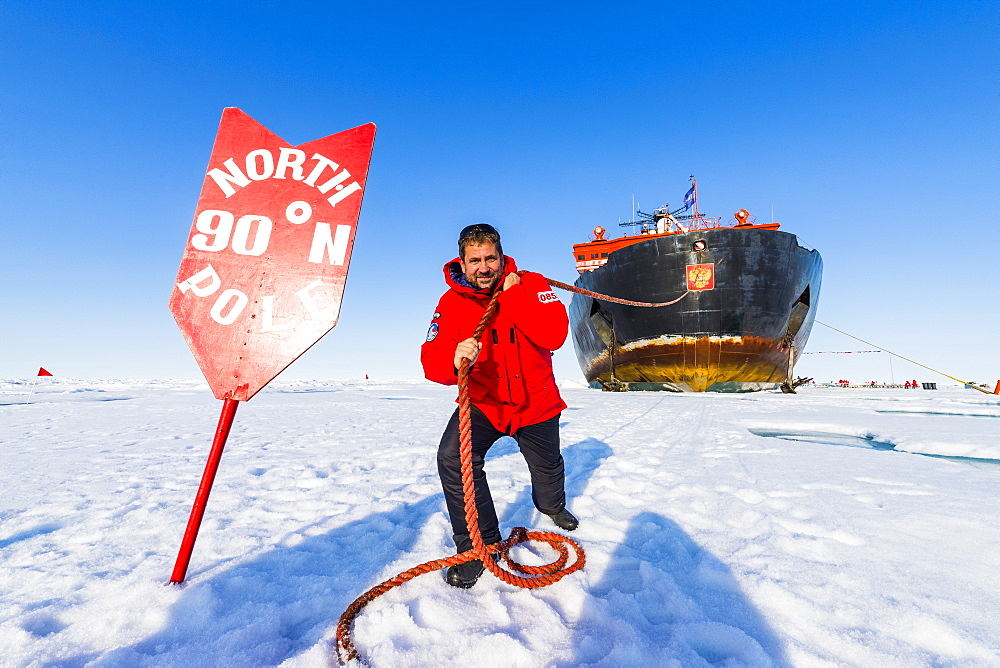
<point x="526" y="577"/>
<point x="972" y="385"/>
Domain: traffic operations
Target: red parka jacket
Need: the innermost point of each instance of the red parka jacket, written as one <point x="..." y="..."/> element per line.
<point x="511" y="381"/>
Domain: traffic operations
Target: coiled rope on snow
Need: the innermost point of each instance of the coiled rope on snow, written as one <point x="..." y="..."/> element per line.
<point x="519" y="575"/>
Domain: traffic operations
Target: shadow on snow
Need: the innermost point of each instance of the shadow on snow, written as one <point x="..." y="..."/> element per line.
<point x="279" y="604"/>
<point x="661" y="597"/>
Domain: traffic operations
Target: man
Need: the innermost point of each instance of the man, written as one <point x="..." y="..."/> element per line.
<point x="511" y="386"/>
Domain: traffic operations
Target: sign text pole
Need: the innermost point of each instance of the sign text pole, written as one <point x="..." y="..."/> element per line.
<point x="263" y="273"/>
<point x="204" y="489"/>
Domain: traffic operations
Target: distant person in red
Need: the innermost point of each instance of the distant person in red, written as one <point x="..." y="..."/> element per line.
<point x="906" y="385"/>
<point x="512" y="386"/>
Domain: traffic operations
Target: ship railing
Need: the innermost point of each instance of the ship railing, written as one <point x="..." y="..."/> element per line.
<point x="697" y="223"/>
<point x="677" y="225"/>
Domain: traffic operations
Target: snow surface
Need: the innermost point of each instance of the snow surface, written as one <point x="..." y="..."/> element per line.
<point x="710" y="540"/>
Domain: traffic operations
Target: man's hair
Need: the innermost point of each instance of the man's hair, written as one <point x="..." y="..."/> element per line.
<point x="477" y="235"/>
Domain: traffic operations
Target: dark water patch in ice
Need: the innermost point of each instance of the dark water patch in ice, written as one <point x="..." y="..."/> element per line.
<point x="976" y="462"/>
<point x="867" y="442"/>
<point x="939" y="413"/>
<point x="826" y="438"/>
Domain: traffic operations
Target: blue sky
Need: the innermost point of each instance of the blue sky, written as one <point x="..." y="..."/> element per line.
<point x="871" y="128"/>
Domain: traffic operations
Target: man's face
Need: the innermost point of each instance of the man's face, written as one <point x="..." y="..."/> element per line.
<point x="482" y="265"/>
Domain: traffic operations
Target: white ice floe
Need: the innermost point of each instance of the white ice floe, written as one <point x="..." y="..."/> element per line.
<point x="756" y="529"/>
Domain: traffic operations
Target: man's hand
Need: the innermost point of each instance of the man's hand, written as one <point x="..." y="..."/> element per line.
<point x="468" y="349"/>
<point x="512" y="279"/>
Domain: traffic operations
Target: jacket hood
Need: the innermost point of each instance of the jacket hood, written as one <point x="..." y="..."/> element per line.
<point x="456" y="280"/>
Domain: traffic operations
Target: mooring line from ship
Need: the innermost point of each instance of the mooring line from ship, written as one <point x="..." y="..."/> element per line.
<point x="869" y="343"/>
<point x="608" y="298"/>
<point x="537" y="576"/>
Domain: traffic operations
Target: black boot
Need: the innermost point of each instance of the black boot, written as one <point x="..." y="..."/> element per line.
<point x="565" y="520"/>
<point x="467" y="574"/>
<point x="464" y="575"/>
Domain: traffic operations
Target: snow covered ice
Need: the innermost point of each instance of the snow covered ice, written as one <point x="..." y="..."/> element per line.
<point x="755" y="529"/>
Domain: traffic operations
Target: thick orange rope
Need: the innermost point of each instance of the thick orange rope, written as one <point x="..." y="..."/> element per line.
<point x="538" y="576"/>
<point x="606" y="298"/>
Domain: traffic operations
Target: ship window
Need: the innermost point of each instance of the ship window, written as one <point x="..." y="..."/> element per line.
<point x="594" y="256"/>
<point x="581" y="257"/>
<point x="604" y="254"/>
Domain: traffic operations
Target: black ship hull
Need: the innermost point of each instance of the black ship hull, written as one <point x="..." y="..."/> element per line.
<point x="743" y="333"/>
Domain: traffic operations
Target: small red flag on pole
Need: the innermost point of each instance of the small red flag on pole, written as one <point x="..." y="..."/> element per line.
<point x="41" y="372"/>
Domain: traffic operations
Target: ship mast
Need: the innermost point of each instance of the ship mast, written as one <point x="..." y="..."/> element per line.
<point x="694" y="184"/>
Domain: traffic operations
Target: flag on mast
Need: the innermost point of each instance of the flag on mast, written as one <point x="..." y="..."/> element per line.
<point x="689" y="199"/>
<point x="43" y="372"/>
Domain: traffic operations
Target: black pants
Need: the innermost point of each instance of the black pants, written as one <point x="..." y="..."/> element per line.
<point x="539" y="444"/>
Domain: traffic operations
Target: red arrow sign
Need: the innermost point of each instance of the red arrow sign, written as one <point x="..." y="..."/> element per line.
<point x="263" y="272"/>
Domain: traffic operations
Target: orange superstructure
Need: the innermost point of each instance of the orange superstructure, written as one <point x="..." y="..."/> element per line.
<point x="593" y="254"/>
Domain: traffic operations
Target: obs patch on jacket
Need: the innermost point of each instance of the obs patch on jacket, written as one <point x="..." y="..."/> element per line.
<point x="432" y="331"/>
<point x="546" y="297"/>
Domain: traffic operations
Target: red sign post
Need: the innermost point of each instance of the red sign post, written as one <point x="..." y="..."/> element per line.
<point x="264" y="269"/>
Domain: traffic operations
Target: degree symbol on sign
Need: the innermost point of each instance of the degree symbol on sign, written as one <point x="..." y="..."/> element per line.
<point x="298" y="212"/>
<point x="300" y="277"/>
